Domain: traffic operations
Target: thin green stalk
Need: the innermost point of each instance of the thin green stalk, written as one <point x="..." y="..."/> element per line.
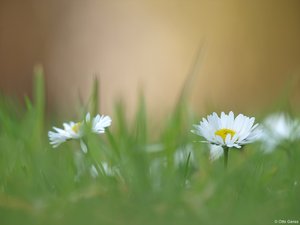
<point x="226" y="153"/>
<point x="187" y="166"/>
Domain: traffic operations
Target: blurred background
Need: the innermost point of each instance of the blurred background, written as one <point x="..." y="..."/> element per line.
<point x="250" y="51"/>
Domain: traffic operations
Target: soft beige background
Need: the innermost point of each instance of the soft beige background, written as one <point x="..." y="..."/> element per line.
<point x="250" y="49"/>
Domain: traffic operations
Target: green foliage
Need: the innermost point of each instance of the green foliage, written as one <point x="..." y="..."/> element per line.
<point x="142" y="178"/>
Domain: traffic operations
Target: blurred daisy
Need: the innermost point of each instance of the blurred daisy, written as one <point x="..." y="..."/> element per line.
<point x="105" y="169"/>
<point x="184" y="155"/>
<point x="71" y="131"/>
<point x="215" y="151"/>
<point x="74" y="130"/>
<point x="99" y="123"/>
<point x="227" y="131"/>
<point x="277" y="129"/>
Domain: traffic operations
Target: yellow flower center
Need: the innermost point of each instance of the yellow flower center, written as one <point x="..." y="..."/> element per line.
<point x="223" y="133"/>
<point x="76" y="127"/>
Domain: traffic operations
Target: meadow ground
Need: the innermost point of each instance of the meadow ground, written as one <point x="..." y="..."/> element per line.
<point x="141" y="178"/>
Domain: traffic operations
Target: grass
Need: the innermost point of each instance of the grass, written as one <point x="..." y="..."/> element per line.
<point x="166" y="179"/>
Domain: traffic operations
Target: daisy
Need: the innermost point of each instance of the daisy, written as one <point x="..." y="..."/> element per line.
<point x="226" y="132"/>
<point x="98" y="123"/>
<point x="71" y="131"/>
<point x="278" y="128"/>
<point x="74" y="130"/>
<point x="104" y="168"/>
<point x="215" y="152"/>
<point x="184" y="155"/>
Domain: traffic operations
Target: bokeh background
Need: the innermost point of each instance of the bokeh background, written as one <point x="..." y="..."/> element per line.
<point x="250" y="51"/>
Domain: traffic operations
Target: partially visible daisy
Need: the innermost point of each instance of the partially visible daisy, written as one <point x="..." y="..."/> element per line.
<point x="184" y="155"/>
<point x="278" y="128"/>
<point x="74" y="130"/>
<point x="105" y="169"/>
<point x="215" y="151"/>
<point x="226" y="132"/>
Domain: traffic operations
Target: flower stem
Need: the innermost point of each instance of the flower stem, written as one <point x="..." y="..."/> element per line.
<point x="226" y="151"/>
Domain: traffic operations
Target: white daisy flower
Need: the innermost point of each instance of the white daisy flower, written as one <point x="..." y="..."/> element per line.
<point x="71" y="131"/>
<point x="74" y="130"/>
<point x="227" y="131"/>
<point x="99" y="123"/>
<point x="278" y="128"/>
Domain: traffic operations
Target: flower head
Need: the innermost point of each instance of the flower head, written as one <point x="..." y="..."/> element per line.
<point x="98" y="123"/>
<point x="71" y="131"/>
<point x="74" y="130"/>
<point x="279" y="128"/>
<point x="227" y="131"/>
